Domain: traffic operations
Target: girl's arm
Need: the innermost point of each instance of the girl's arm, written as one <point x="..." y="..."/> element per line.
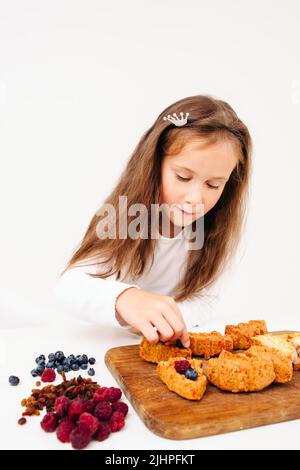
<point x="93" y="299"/>
<point x="87" y="298"/>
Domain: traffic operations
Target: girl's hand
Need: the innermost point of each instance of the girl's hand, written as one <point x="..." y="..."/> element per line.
<point x="157" y="317"/>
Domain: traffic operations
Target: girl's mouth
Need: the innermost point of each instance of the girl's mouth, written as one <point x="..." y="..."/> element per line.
<point x="185" y="212"/>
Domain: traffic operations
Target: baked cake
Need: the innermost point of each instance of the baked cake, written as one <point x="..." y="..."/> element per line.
<point x="162" y="351"/>
<point x="279" y="344"/>
<point x="243" y="332"/>
<point x="209" y="344"/>
<point x="282" y="364"/>
<point x="241" y="373"/>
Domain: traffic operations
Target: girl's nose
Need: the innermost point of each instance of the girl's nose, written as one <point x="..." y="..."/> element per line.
<point x="195" y="196"/>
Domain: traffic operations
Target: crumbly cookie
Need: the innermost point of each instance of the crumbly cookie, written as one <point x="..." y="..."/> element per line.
<point x="209" y="344"/>
<point x="241" y="373"/>
<point x="243" y="332"/>
<point x="280" y="344"/>
<point x="178" y="382"/>
<point x="283" y="367"/>
<point x="161" y="351"/>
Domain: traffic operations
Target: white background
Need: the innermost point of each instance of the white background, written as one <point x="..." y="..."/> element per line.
<point x="80" y="82"/>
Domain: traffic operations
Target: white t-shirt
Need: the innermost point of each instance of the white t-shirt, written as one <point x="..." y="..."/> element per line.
<point x="93" y="299"/>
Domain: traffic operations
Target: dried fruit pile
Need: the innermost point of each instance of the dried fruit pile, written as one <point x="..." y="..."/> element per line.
<point x="46" y="396"/>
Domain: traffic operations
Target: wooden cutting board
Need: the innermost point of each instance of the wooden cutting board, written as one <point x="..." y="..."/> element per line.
<point x="167" y="414"/>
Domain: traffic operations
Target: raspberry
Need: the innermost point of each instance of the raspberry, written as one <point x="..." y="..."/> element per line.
<point x="107" y="394"/>
<point x="80" y="437"/>
<point x="181" y="366"/>
<point x="103" y="431"/>
<point x="64" y="430"/>
<point x="117" y="421"/>
<point x="103" y="410"/>
<point x="49" y="422"/>
<point x="120" y="406"/>
<point x="76" y="408"/>
<point x="61" y="405"/>
<point x="89" y="421"/>
<point x="48" y="375"/>
<point x="89" y="406"/>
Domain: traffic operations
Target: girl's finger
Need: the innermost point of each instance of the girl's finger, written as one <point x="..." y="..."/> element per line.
<point x="176" y="323"/>
<point x="185" y="339"/>
<point x="149" y="332"/>
<point x="164" y="329"/>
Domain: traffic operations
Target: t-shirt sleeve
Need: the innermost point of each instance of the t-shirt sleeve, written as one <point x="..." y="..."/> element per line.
<point x="88" y="298"/>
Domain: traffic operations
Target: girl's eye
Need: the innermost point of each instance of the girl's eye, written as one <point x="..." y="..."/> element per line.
<point x="181" y="178"/>
<point x="188" y="179"/>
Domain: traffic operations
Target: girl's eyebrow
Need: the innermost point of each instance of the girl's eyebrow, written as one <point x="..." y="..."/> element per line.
<point x="194" y="173"/>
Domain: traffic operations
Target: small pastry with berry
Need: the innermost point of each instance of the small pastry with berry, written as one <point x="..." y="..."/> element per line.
<point x="184" y="377"/>
<point x="162" y="351"/>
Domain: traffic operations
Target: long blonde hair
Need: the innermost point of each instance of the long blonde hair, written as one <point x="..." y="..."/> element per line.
<point x="209" y="118"/>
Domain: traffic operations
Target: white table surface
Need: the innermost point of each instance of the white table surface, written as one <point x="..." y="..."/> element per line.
<point x="20" y="346"/>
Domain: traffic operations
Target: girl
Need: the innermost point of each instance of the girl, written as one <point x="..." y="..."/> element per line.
<point x="197" y="154"/>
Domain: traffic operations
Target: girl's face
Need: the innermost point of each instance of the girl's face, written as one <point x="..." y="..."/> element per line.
<point x="196" y="175"/>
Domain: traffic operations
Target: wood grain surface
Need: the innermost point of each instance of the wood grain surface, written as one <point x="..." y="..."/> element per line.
<point x="167" y="414"/>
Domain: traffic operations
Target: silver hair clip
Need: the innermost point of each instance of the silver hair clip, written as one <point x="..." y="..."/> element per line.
<point x="176" y="120"/>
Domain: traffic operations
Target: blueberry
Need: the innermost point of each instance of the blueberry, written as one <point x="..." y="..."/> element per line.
<point x="42" y="357"/>
<point x="57" y="363"/>
<point x="60" y="369"/>
<point x="92" y="360"/>
<point x="13" y="380"/>
<point x="40" y="369"/>
<point x="91" y="371"/>
<point x="41" y="363"/>
<point x="51" y="357"/>
<point x="71" y="356"/>
<point x="37" y="360"/>
<point x="50" y="365"/>
<point x="75" y="367"/>
<point x="85" y="357"/>
<point x="84" y="366"/>
<point x="59" y="356"/>
<point x="81" y="360"/>
<point x="66" y="368"/>
<point x="34" y="373"/>
<point x="191" y="374"/>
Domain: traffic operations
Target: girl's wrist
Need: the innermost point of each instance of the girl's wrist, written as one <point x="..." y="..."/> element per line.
<point x="117" y="313"/>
